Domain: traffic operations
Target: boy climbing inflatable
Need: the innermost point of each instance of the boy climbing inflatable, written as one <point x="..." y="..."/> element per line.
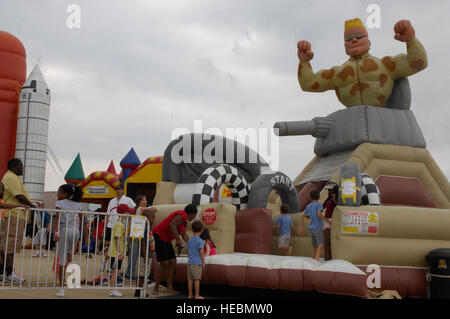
<point x="363" y="79"/>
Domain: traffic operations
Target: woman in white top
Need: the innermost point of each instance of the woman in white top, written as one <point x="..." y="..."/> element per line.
<point x="67" y="223"/>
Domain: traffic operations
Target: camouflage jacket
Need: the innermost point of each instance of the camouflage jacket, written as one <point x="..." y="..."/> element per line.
<point x="365" y="80"/>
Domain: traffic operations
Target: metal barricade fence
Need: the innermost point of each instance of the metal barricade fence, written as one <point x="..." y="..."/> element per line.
<point x="36" y="267"/>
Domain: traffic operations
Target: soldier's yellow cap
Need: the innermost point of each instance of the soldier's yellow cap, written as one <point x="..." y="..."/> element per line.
<point x="354" y="23"/>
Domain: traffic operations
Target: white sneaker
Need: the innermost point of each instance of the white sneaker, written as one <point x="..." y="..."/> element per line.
<point x="60" y="293"/>
<point x="44" y="254"/>
<point x="152" y="285"/>
<point x="115" y="293"/>
<point x="36" y="254"/>
<point x="14" y="278"/>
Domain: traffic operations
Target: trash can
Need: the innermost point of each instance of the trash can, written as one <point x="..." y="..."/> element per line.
<point x="439" y="279"/>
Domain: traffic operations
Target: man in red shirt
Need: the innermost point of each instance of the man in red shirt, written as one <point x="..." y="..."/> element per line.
<point x="172" y="227"/>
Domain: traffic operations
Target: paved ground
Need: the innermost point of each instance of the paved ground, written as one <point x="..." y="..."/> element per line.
<point x="41" y="281"/>
<point x="50" y="293"/>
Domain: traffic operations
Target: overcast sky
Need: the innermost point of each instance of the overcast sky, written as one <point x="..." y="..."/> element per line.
<point x="136" y="70"/>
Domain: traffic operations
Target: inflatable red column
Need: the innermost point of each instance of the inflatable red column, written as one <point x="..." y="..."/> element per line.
<point x="13" y="69"/>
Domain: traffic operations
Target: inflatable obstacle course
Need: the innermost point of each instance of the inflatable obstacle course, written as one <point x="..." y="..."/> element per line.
<point x="394" y="201"/>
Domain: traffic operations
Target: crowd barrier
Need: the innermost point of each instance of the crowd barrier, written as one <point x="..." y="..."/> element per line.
<point x="36" y="252"/>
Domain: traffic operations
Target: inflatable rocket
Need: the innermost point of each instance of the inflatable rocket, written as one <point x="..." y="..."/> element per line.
<point x="13" y="71"/>
<point x="24" y="115"/>
<point x="32" y="132"/>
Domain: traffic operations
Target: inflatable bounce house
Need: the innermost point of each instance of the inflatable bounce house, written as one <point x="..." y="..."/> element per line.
<point x="98" y="187"/>
<point x="137" y="179"/>
<point x="144" y="179"/>
<point x="393" y="199"/>
<point x="13" y="73"/>
<point x="75" y="174"/>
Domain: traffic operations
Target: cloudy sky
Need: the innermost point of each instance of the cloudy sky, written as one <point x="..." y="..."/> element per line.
<point x="136" y="70"/>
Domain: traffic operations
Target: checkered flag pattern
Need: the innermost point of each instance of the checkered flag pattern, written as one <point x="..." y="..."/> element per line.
<point x="370" y="195"/>
<point x="219" y="174"/>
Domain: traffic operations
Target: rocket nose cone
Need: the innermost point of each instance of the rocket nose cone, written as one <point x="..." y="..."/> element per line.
<point x="37" y="75"/>
<point x="36" y="82"/>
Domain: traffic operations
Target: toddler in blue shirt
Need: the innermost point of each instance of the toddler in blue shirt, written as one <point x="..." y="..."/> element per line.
<point x="314" y="212"/>
<point x="284" y="224"/>
<point x="196" y="259"/>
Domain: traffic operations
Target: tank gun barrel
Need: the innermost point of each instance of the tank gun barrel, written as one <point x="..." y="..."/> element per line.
<point x="290" y="128"/>
<point x="317" y="127"/>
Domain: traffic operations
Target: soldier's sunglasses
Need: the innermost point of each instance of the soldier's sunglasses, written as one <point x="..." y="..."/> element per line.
<point x="357" y="35"/>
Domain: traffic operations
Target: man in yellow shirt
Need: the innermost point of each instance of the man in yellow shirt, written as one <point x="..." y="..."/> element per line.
<point x="13" y="225"/>
<point x="4" y="206"/>
<point x="363" y="79"/>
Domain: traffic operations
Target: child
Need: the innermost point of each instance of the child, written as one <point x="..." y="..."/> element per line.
<point x="133" y="250"/>
<point x="284" y="224"/>
<point x="100" y="225"/>
<point x="210" y="247"/>
<point x="67" y="231"/>
<point x="148" y="212"/>
<point x="40" y="239"/>
<point x="196" y="259"/>
<point x="314" y="212"/>
<point x="329" y="205"/>
<point x="117" y="248"/>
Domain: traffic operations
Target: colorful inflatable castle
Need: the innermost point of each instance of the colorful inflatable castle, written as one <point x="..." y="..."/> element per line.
<point x="137" y="179"/>
<point x="144" y="179"/>
<point x="98" y="188"/>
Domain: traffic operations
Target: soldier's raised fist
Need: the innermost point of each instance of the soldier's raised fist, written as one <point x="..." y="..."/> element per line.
<point x="304" y="51"/>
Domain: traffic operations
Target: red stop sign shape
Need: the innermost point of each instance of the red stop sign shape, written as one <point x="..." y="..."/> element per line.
<point x="209" y="216"/>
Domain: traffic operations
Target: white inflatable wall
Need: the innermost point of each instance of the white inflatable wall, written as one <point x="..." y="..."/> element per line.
<point x="183" y="194"/>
